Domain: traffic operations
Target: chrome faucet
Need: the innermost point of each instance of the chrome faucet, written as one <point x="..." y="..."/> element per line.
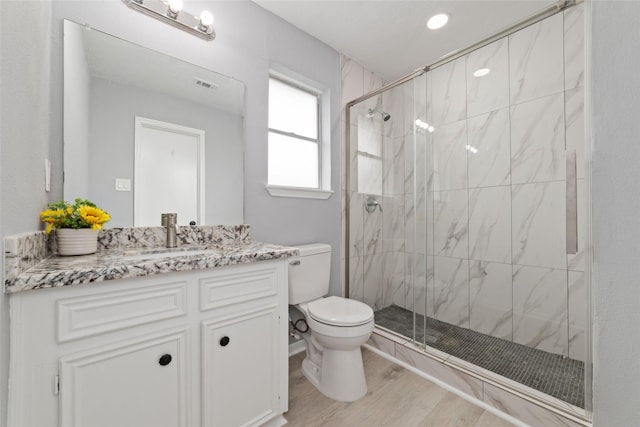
<point x="170" y="222"/>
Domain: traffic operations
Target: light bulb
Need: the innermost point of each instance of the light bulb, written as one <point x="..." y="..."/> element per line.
<point x="437" y="21"/>
<point x="206" y="18"/>
<point x="175" y="5"/>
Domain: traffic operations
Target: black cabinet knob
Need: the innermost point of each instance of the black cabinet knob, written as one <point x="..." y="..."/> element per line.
<point x="224" y="341"/>
<point x="165" y="359"/>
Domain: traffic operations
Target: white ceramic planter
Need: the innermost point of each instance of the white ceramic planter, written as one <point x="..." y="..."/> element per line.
<point x="76" y="242"/>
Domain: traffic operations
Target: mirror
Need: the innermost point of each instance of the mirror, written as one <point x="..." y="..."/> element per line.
<point x="110" y="86"/>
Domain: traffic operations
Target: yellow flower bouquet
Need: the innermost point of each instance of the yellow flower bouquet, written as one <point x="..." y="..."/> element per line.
<point x="82" y="214"/>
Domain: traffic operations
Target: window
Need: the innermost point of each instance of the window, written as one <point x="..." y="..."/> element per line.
<point x="295" y="150"/>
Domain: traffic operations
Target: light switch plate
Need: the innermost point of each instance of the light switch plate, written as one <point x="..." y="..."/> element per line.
<point x="123" y="184"/>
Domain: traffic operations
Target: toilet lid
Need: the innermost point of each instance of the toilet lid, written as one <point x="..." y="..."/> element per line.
<point x="340" y="311"/>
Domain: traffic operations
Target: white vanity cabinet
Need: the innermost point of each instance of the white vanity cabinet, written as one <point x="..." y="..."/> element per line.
<point x="135" y="383"/>
<point x="199" y="348"/>
<point x="244" y="347"/>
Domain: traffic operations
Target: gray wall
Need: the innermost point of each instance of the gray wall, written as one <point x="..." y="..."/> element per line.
<point x="25" y="135"/>
<point x="4" y="315"/>
<point x="26" y="110"/>
<point x="616" y="208"/>
<point x="111" y="153"/>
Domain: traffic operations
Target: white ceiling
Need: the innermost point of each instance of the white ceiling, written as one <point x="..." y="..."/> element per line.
<point x="390" y="38"/>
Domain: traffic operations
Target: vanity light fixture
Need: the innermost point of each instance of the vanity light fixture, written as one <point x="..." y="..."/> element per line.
<point x="172" y="14"/>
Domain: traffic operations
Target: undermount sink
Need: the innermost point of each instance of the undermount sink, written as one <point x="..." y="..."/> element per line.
<point x="170" y="252"/>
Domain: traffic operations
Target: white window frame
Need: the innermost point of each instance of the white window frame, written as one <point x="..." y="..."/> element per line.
<point x="323" y="191"/>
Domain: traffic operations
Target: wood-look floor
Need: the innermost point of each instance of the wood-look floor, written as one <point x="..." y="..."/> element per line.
<point x="396" y="397"/>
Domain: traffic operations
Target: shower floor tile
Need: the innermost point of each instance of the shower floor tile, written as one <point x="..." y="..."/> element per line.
<point x="553" y="374"/>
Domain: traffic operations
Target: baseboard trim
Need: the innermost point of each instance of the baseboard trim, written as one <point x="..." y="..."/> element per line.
<point x="296" y="347"/>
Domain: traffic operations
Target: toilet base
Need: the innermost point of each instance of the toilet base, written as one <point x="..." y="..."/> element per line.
<point x="341" y="376"/>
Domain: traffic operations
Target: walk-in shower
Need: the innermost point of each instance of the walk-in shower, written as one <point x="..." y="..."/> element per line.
<point x="480" y="199"/>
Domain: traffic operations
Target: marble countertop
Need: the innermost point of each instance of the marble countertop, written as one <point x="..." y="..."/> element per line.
<point x="113" y="264"/>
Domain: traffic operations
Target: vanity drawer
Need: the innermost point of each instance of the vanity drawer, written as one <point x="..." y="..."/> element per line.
<point x="229" y="288"/>
<point x="85" y="316"/>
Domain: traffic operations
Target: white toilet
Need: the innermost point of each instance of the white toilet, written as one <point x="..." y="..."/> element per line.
<point x="338" y="326"/>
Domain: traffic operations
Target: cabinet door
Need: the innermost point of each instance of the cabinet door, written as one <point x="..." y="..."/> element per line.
<point x="241" y="368"/>
<point x="136" y="383"/>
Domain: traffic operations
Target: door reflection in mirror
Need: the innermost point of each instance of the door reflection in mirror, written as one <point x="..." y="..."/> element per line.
<point x="169" y="170"/>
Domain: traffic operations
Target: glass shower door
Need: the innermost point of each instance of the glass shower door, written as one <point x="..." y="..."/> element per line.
<point x="381" y="247"/>
<point x="418" y="201"/>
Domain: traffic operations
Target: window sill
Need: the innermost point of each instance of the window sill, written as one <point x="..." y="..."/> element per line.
<point x="298" y="192"/>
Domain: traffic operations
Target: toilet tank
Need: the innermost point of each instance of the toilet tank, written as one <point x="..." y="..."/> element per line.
<point x="309" y="273"/>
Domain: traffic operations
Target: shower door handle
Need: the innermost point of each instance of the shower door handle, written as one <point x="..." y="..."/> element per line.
<point x="572" y="203"/>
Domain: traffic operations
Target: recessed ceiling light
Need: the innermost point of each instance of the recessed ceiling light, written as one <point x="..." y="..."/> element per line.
<point x="481" y="72"/>
<point x="437" y="21"/>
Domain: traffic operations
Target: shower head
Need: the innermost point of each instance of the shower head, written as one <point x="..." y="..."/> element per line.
<point x="385" y="116"/>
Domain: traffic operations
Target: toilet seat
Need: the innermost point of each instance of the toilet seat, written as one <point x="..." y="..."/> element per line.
<point x="337" y="311"/>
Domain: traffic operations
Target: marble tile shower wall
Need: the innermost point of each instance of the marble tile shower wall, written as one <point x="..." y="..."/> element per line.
<point x="486" y="237"/>
<point x="498" y="263"/>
